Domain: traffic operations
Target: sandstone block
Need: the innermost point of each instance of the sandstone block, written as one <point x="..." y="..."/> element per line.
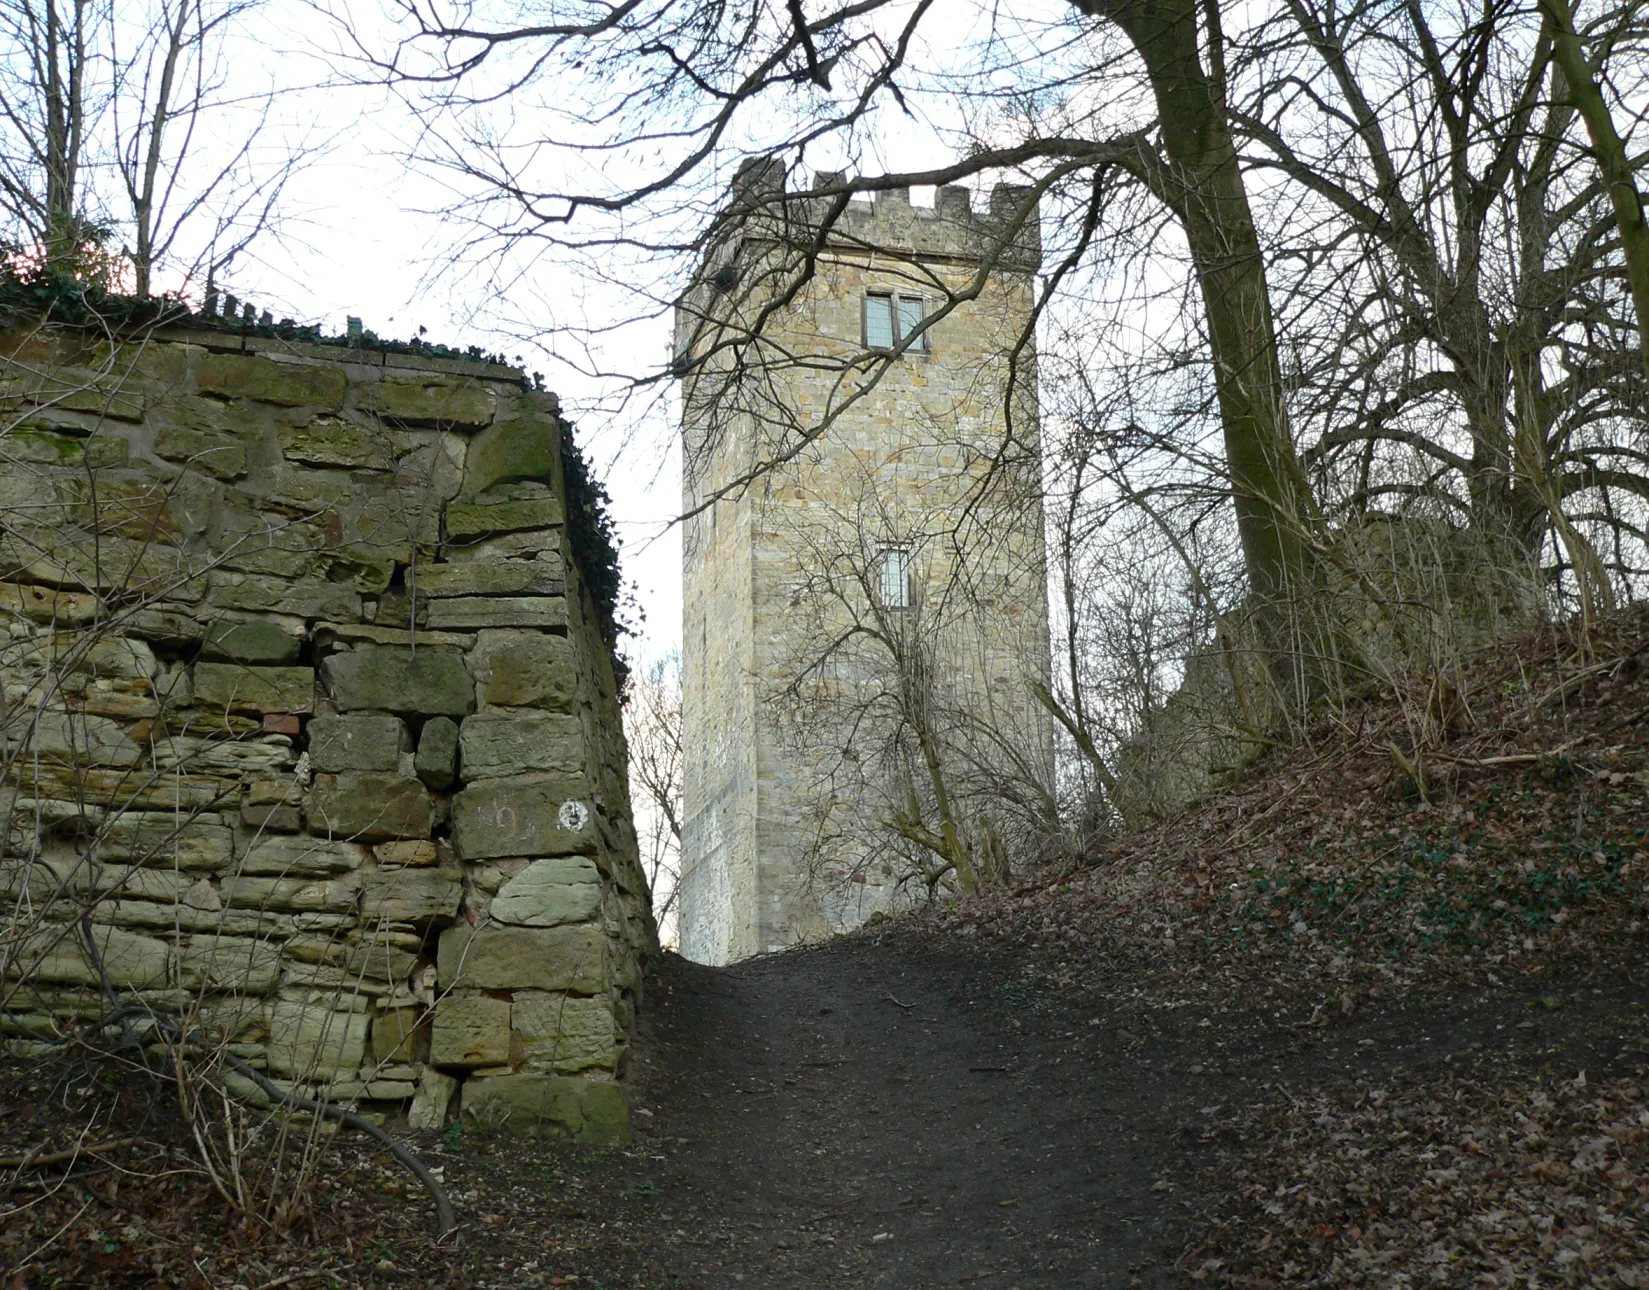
<point x="310" y="1040"/>
<point x="437" y="761"/>
<point x="566" y="1034"/>
<point x="34" y="445"/>
<point x="329" y="441"/>
<point x="169" y="839"/>
<point x="410" y="896"/>
<point x="268" y="595"/>
<point x="287" y="384"/>
<point x="367" y="807"/>
<point x="549" y="893"/>
<point x="536" y="817"/>
<point x="426" y="682"/>
<point x="430" y="400"/>
<point x="525" y="669"/>
<point x="379" y="960"/>
<point x="289" y="895"/>
<point x="240" y="964"/>
<point x="470" y="1030"/>
<point x="302" y="857"/>
<point x="56" y="954"/>
<point x="357" y="741"/>
<point x="512" y="451"/>
<point x="493" y="578"/>
<point x="73" y="738"/>
<point x="220" y="455"/>
<point x="429" y="1105"/>
<point x="253" y="641"/>
<point x="394" y="1035"/>
<point x="236" y="687"/>
<point x="557" y="1106"/>
<point x="495" y="746"/>
<point x="47" y="604"/>
<point x="571" y="959"/>
<point x="462" y="613"/>
<point x="419" y="854"/>
<point x="479" y="517"/>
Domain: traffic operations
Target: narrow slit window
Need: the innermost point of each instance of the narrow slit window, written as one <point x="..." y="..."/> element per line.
<point x="890" y="317"/>
<point x="893" y="577"/>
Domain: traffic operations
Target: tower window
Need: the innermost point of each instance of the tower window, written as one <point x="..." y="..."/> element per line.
<point x="893" y="587"/>
<point x="890" y="317"/>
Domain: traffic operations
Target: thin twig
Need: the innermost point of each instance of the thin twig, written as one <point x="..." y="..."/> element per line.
<point x="31" y="1161"/>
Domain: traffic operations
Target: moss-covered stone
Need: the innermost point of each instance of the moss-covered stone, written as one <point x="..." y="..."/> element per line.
<point x="238" y="688"/>
<point x="470" y="1030"/>
<point x="256" y="593"/>
<point x="429" y="400"/>
<point x="417" y="896"/>
<point x="512" y="451"/>
<point x="364" y="807"/>
<point x="220" y="455"/>
<point x="357" y="741"/>
<point x="251" y="641"/>
<point x="437" y="760"/>
<point x="466" y="613"/>
<point x="554" y="1106"/>
<point x="287" y="384"/>
<point x="525" y="669"/>
<point x="494" y="746"/>
<point x="571" y="959"/>
<point x="329" y="441"/>
<point x="549" y="893"/>
<point x="502" y="817"/>
<point x="494" y="578"/>
<point x="388" y="679"/>
<point x="475" y="518"/>
<point x="565" y="1034"/>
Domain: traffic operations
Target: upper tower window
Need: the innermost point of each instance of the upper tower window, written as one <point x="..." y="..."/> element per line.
<point x="890" y="317"/>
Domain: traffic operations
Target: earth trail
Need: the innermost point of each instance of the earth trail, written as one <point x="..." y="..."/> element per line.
<point x="868" y="1115"/>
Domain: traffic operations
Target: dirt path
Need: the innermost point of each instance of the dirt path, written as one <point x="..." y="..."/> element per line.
<point x="910" y="1112"/>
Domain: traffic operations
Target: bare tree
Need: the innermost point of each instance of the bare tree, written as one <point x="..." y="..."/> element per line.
<point x="127" y="147"/>
<point x="652" y="729"/>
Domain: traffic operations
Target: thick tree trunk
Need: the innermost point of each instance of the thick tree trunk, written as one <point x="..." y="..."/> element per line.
<point x="1203" y="184"/>
<point x="1612" y="161"/>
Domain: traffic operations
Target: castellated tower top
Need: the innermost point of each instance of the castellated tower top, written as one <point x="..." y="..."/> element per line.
<point x="1007" y="234"/>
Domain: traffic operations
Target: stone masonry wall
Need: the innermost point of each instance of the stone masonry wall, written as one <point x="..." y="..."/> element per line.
<point x="311" y="729"/>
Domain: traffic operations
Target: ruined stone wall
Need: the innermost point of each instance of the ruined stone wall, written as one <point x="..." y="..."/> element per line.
<point x="786" y="788"/>
<point x="312" y="724"/>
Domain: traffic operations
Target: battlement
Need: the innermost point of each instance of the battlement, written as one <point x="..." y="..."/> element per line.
<point x="888" y="223"/>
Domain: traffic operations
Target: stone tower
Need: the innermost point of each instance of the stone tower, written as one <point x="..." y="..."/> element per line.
<point x="865" y="605"/>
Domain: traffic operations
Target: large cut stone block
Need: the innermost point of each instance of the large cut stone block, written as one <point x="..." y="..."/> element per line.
<point x="310" y="1041"/>
<point x="357" y="741"/>
<point x="238" y="688"/>
<point x="571" y="959"/>
<point x="554" y="1106"/>
<point x="511" y="451"/>
<point x="289" y="895"/>
<point x="463" y="613"/>
<point x="551" y="892"/>
<point x="168" y="839"/>
<point x="534" y="817"/>
<point x="470" y="1030"/>
<point x="395" y="1035"/>
<point x="260" y="594"/>
<point x="57" y="954"/>
<point x="410" y="896"/>
<point x="566" y="1034"/>
<point x="430" y="400"/>
<point x="493" y="578"/>
<point x="254" y="641"/>
<point x="302" y="856"/>
<point x="288" y="384"/>
<point x="426" y="681"/>
<point x="494" y="746"/>
<point x="329" y="441"/>
<point x="437" y="760"/>
<point x="367" y="807"/>
<point x="482" y="516"/>
<point x="240" y="964"/>
<point x="525" y="669"/>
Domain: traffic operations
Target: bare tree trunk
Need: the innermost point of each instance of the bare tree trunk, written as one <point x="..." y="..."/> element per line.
<point x="1612" y="161"/>
<point x="1202" y="184"/>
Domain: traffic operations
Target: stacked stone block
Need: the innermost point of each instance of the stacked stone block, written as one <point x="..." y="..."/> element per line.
<point x="307" y="710"/>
